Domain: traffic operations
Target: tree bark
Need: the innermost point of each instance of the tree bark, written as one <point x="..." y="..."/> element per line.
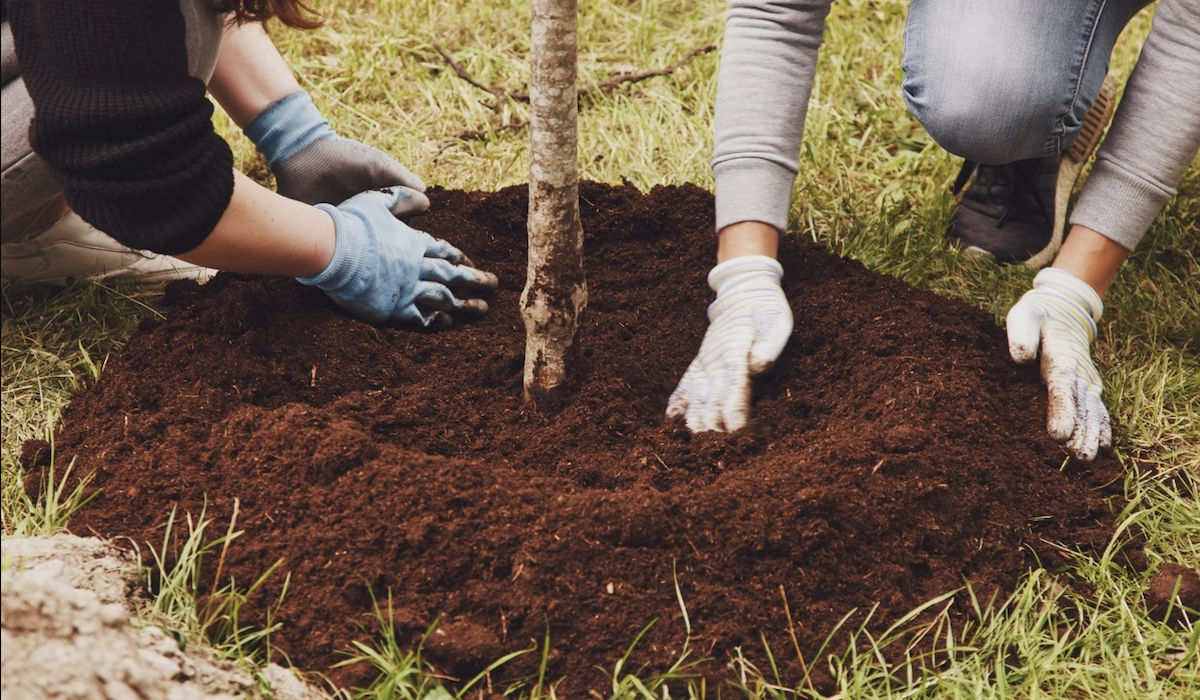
<point x="555" y="292"/>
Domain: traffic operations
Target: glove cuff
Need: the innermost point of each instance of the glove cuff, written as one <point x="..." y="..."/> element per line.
<point x="1073" y="287"/>
<point x="287" y="126"/>
<point x="351" y="249"/>
<point x="740" y="267"/>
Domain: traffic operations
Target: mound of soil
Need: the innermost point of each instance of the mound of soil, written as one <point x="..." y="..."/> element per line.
<point x="896" y="451"/>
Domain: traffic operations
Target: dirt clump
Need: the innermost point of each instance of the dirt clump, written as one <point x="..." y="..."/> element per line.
<point x="1173" y="594"/>
<point x="68" y="631"/>
<point x="895" y="452"/>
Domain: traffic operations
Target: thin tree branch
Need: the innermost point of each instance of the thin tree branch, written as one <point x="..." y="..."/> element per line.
<point x="609" y="84"/>
<point x="499" y="93"/>
<point x="604" y="87"/>
<point x="480" y="134"/>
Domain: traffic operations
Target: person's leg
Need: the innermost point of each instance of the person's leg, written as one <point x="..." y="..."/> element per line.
<point x="44" y="243"/>
<point x="26" y="185"/>
<point x="1010" y="83"/>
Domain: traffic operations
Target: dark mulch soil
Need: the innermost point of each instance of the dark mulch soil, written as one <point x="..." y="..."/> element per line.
<point x="896" y="451"/>
<point x="1174" y="593"/>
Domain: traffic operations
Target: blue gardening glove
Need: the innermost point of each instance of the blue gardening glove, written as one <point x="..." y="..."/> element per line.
<point x="384" y="270"/>
<point x="1059" y="314"/>
<point x="313" y="164"/>
<point x="749" y="323"/>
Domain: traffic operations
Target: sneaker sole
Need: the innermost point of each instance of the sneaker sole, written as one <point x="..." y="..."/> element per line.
<point x="152" y="279"/>
<point x="974" y="252"/>
<point x="1094" y="124"/>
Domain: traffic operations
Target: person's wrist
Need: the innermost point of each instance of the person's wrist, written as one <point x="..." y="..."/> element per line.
<point x="324" y="242"/>
<point x="288" y="126"/>
<point x="1092" y="257"/>
<point x="337" y="250"/>
<point x="735" y="271"/>
<point x="747" y="238"/>
<point x="1073" y="290"/>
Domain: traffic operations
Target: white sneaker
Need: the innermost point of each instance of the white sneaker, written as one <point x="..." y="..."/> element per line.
<point x="73" y="249"/>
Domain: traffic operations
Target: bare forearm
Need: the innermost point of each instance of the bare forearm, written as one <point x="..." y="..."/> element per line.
<point x="1092" y="257"/>
<point x="250" y="74"/>
<point x="266" y="233"/>
<point x="747" y="238"/>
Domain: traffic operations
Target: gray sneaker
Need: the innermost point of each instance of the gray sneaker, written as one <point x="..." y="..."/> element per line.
<point x="72" y="249"/>
<point x="1018" y="212"/>
<point x="1007" y="213"/>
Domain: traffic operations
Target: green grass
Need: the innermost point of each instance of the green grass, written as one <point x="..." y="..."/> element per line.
<point x="193" y="609"/>
<point x="872" y="187"/>
<point x="53" y="345"/>
<point x="402" y="674"/>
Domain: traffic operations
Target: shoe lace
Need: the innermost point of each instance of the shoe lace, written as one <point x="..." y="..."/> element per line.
<point x="1001" y="184"/>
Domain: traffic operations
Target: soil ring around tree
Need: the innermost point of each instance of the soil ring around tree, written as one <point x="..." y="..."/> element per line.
<point x="895" y="452"/>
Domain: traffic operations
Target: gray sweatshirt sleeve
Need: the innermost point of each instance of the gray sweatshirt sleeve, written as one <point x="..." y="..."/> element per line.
<point x="1155" y="134"/>
<point x="767" y="66"/>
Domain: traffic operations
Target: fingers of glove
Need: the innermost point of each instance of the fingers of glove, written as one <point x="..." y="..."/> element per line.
<point x="340" y="164"/>
<point x="1024" y="325"/>
<point x="439" y="321"/>
<point x="772" y="328"/>
<point x="438" y="248"/>
<point x="1099" y="424"/>
<point x="714" y="399"/>
<point x="367" y="166"/>
<point x="413" y="316"/>
<point x="336" y="169"/>
<point x="1086" y="442"/>
<point x="730" y="393"/>
<point x="382" y="169"/>
<point x="699" y="413"/>
<point x="439" y="297"/>
<point x="1105" y="425"/>
<point x="402" y="201"/>
<point x="447" y="273"/>
<point x="1090" y="417"/>
<point x="690" y="398"/>
<point x="396" y="200"/>
<point x="1060" y="385"/>
<point x="677" y="404"/>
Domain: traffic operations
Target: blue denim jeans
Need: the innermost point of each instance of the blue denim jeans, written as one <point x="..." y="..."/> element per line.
<point x="997" y="81"/>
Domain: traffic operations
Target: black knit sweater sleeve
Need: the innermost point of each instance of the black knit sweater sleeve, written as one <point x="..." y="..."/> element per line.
<point x="124" y="128"/>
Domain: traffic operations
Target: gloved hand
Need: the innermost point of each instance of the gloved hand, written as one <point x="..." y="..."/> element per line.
<point x="749" y="323"/>
<point x="312" y="163"/>
<point x="1060" y="315"/>
<point x="384" y="270"/>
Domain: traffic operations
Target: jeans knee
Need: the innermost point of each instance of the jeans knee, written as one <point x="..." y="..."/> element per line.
<point x="984" y="121"/>
<point x="988" y="84"/>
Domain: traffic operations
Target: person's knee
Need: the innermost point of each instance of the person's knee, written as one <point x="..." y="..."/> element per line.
<point x="985" y="117"/>
<point x="982" y="82"/>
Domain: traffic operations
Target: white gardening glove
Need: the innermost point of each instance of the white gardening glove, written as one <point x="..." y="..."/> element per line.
<point x="1060" y="315"/>
<point x="749" y="323"/>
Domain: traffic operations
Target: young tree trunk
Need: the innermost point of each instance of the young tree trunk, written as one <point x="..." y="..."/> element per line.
<point x="555" y="293"/>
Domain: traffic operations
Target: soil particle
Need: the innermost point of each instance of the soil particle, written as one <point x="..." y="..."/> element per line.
<point x="1174" y="588"/>
<point x="895" y="451"/>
